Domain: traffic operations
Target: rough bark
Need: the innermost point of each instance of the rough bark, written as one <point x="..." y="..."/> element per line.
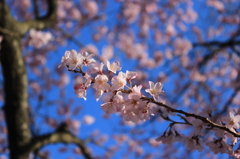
<point x="16" y="107"/>
<point x="15" y="86"/>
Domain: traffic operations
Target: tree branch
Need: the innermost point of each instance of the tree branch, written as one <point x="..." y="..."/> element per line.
<point x="60" y="136"/>
<point x="224" y="44"/>
<point x="205" y="120"/>
<point x="41" y="23"/>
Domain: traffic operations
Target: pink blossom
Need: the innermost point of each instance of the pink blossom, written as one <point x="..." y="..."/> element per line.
<point x="216" y="4"/>
<point x="75" y="14"/>
<point x="120" y="138"/>
<point x="38" y="38"/>
<point x="198" y="127"/>
<point x="98" y="94"/>
<point x="232" y="121"/>
<point x="74" y="124"/>
<point x="169" y="137"/>
<point x="137" y="89"/>
<point x="218" y="146"/>
<point x="88" y="119"/>
<point x="118" y="98"/>
<point x="90" y="48"/>
<point x="97" y="68"/>
<point x="80" y="91"/>
<point x="80" y="86"/>
<point x="101" y="83"/>
<point x="119" y="81"/>
<point x="91" y="7"/>
<point x="154" y="109"/>
<point x="115" y="66"/>
<point x="107" y="53"/>
<point x="133" y="103"/>
<point x="71" y="59"/>
<point x="182" y="46"/>
<point x="130" y="116"/>
<point x="109" y="108"/>
<point x="116" y="103"/>
<point x="131" y="11"/>
<point x="88" y="79"/>
<point x="63" y="80"/>
<point x="193" y="143"/>
<point x="153" y="142"/>
<point x="87" y="59"/>
<point x="155" y="90"/>
<point x="170" y="30"/>
<point x="131" y="75"/>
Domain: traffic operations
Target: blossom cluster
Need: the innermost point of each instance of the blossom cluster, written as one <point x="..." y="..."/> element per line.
<point x="38" y="38"/>
<point x="127" y="100"/>
<point x="122" y="97"/>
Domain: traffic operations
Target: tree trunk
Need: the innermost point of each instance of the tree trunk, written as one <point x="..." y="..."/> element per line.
<point x="16" y="96"/>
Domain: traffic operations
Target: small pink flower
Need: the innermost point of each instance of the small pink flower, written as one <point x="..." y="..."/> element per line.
<point x="87" y="59"/>
<point x="131" y="75"/>
<point x="232" y="121"/>
<point x="198" y="127"/>
<point x="88" y="119"/>
<point x="155" y="90"/>
<point x="71" y="59"/>
<point x="114" y="67"/>
<point x="98" y="94"/>
<point x="130" y="116"/>
<point x="101" y="83"/>
<point x="97" y="68"/>
<point x="193" y="143"/>
<point x="91" y="7"/>
<point x="80" y="91"/>
<point x="137" y="89"/>
<point x="218" y="146"/>
<point x="119" y="81"/>
<point x="107" y="53"/>
<point x="109" y="108"/>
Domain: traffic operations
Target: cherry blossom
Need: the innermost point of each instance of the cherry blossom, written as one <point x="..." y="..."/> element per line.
<point x="193" y="143"/>
<point x="169" y="137"/>
<point x="71" y="59"/>
<point x="97" y="68"/>
<point x="80" y="91"/>
<point x="119" y="81"/>
<point x="38" y="38"/>
<point x="155" y="90"/>
<point x="115" y="66"/>
<point x="232" y="121"/>
<point x="109" y="108"/>
<point x="218" y="146"/>
<point x="198" y="127"/>
<point x="87" y="59"/>
<point x="101" y="83"/>
<point x="131" y="75"/>
<point x="88" y="119"/>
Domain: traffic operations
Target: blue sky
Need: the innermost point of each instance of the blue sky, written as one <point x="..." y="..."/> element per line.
<point x="91" y="107"/>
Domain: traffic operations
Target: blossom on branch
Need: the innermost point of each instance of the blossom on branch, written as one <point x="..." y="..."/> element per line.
<point x="71" y="59"/>
<point x="101" y="83"/>
<point x="232" y="121"/>
<point x="114" y="67"/>
<point x="155" y="90"/>
<point x="119" y="81"/>
<point x="87" y="59"/>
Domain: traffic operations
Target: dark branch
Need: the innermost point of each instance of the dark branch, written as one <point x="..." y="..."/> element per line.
<point x="224" y="44"/>
<point x="205" y="120"/>
<point x="44" y="22"/>
<point x="60" y="136"/>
